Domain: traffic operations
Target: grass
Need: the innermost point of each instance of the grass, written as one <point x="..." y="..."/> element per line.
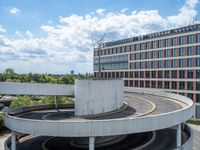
<point x="194" y="122"/>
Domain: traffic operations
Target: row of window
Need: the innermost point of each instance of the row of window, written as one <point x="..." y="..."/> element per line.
<point x="181" y="74"/>
<point x="164" y="84"/>
<point x="183" y="51"/>
<point x="189" y="39"/>
<point x="189" y="62"/>
<point x="112" y="66"/>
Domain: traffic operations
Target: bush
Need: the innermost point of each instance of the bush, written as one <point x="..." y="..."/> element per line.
<point x="195" y="122"/>
<point x="39" y="100"/>
<point x="1" y="121"/>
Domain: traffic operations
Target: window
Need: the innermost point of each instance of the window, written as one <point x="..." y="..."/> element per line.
<point x="166" y="84"/>
<point x="131" y="56"/>
<point x="153" y="84"/>
<point x="153" y="74"/>
<point x="167" y="42"/>
<point x="137" y="65"/>
<point x="190" y="39"/>
<point x="167" y="53"/>
<point x="189" y="85"/>
<point x="182" y="85"/>
<point x="182" y="41"/>
<point x="137" y="56"/>
<point x="190" y="74"/>
<point x="117" y="74"/>
<point x="153" y="64"/>
<point x="190" y="50"/>
<point x="198" y="61"/>
<point x="167" y="74"/>
<point x="198" y="37"/>
<point x="190" y="62"/>
<point x="190" y="95"/>
<point x="159" y="84"/>
<point x="131" y="65"/>
<point x="141" y="74"/>
<point x="167" y="63"/>
<point x="137" y="47"/>
<point x="159" y="74"/>
<point x="198" y="50"/>
<point x="182" y="51"/>
<point x="126" y="74"/>
<point x="153" y="44"/>
<point x="147" y="55"/>
<point x="182" y="74"/>
<point x="148" y="45"/>
<point x="198" y="98"/>
<point x="182" y="62"/>
<point x="142" y="65"/>
<point x="174" y="41"/>
<point x="174" y="63"/>
<point x="147" y="74"/>
<point x="174" y="85"/>
<point x="154" y="54"/>
<point x="174" y="74"/>
<point x="148" y="64"/>
<point x="131" y="83"/>
<point x="132" y="48"/>
<point x="142" y="46"/>
<point x="160" y="54"/>
<point x="136" y="75"/>
<point x="147" y="84"/>
<point x="160" y="64"/>
<point x="131" y="74"/>
<point x="198" y="86"/>
<point x="198" y="74"/>
<point x="141" y="83"/>
<point x="142" y="55"/>
<point x="197" y="111"/>
<point x="136" y="83"/>
<point x="160" y="43"/>
<point x="174" y="52"/>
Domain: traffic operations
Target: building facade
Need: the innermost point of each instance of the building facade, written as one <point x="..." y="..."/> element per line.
<point x="168" y="60"/>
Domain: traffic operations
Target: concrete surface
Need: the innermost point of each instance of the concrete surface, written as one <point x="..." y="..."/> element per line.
<point x="196" y="137"/>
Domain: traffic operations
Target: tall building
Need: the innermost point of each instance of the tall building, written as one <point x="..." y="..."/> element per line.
<point x="168" y="60"/>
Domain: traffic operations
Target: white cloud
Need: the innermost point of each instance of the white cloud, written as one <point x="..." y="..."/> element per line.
<point x="2" y="29"/>
<point x="124" y="10"/>
<point x="68" y="45"/>
<point x="14" y="10"/>
<point x="100" y="11"/>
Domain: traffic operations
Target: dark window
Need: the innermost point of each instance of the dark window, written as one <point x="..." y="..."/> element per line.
<point x="136" y="83"/>
<point x="131" y="74"/>
<point x="147" y="74"/>
<point x="174" y="85"/>
<point x="167" y="53"/>
<point x="160" y="64"/>
<point x="190" y="39"/>
<point x="174" y="63"/>
<point x="197" y="98"/>
<point x="136" y="75"/>
<point x="190" y="62"/>
<point x="174" y="41"/>
<point x="174" y="74"/>
<point x="167" y="63"/>
<point x="182" y="85"/>
<point x="126" y="82"/>
<point x="142" y="64"/>
<point x="198" y="37"/>
<point x="182" y="41"/>
<point x="198" y="61"/>
<point x="198" y="74"/>
<point x="174" y="52"/>
<point x="148" y="64"/>
<point x="154" y="54"/>
<point x="189" y="85"/>
<point x="148" y="55"/>
<point x="166" y="84"/>
<point x="153" y="74"/>
<point x="159" y="74"/>
<point x="190" y="50"/>
<point x="160" y="54"/>
<point x="182" y="74"/>
<point x="159" y="84"/>
<point x="141" y="74"/>
<point x="190" y="95"/>
<point x="198" y="86"/>
<point x="126" y="74"/>
<point x="190" y="74"/>
<point x="153" y="84"/>
<point x="198" y="50"/>
<point x="182" y="62"/>
<point x="182" y="51"/>
<point x="131" y="83"/>
<point x="141" y="83"/>
<point x="117" y="74"/>
<point x="167" y="74"/>
<point x="147" y="84"/>
<point x="131" y="56"/>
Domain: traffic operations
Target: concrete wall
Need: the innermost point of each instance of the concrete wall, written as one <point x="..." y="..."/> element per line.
<point x="12" y="88"/>
<point x="98" y="96"/>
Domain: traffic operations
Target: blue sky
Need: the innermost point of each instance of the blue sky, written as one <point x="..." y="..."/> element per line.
<point x="54" y="36"/>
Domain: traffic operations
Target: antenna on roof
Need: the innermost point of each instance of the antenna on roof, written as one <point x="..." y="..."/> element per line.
<point x="100" y="44"/>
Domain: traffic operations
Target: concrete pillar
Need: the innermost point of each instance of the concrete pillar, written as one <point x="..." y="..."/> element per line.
<point x="13" y="141"/>
<point x="178" y="137"/>
<point x="91" y="143"/>
<point x="55" y="102"/>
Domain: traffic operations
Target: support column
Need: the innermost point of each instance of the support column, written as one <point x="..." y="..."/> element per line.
<point x="13" y="141"/>
<point x="178" y="136"/>
<point x="91" y="143"/>
<point x="55" y="102"/>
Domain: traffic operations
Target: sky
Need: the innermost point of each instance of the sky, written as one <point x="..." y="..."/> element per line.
<point x="57" y="36"/>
